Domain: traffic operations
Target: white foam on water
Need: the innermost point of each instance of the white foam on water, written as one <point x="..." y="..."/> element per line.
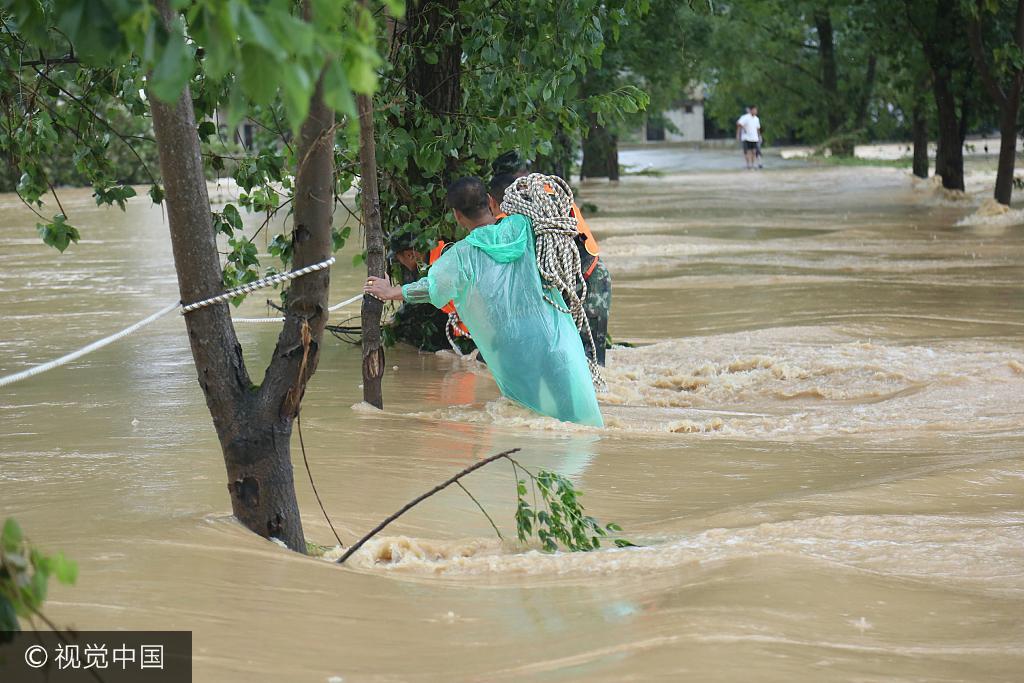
<point x="977" y="549"/>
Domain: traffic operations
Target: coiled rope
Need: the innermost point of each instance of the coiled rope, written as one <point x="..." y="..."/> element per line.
<point x="170" y="308"/>
<point x="547" y="201"/>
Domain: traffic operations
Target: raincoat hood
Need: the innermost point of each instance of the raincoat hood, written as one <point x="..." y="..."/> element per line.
<point x="505" y="241"/>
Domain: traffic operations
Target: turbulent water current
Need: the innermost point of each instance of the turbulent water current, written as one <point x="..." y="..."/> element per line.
<point x="815" y="431"/>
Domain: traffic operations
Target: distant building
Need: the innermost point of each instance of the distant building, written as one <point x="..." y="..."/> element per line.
<point x="683" y="122"/>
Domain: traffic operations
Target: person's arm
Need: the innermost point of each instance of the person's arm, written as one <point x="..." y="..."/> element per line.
<point x="443" y="282"/>
<point x="739" y="128"/>
<point x="380" y="288"/>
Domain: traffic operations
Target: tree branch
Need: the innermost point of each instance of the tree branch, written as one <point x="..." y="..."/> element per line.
<point x="419" y="499"/>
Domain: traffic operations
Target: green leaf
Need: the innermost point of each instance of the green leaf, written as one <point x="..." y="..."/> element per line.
<point x="206" y="130"/>
<point x="256" y="64"/>
<point x="156" y="193"/>
<point x="64" y="569"/>
<point x="296" y="89"/>
<point x="254" y="31"/>
<point x="91" y="27"/>
<point x="11" y="538"/>
<point x="336" y="89"/>
<point x="58" y="233"/>
<point x="231" y="215"/>
<point x="174" y="67"/>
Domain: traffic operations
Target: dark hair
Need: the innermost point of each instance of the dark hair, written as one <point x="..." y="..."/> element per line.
<point x="501" y="182"/>
<point x="469" y="196"/>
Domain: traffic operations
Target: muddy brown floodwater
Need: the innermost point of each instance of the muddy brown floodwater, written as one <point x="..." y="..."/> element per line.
<point x="819" y="443"/>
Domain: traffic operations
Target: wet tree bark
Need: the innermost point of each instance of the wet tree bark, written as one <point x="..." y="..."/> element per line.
<point x="600" y="152"/>
<point x="439" y="85"/>
<point x="1007" y="99"/>
<point x="949" y="158"/>
<point x="861" y="115"/>
<point x="1003" y="191"/>
<point x="830" y="83"/>
<point x="253" y="423"/>
<point x="919" y="124"/>
<point x="373" y="351"/>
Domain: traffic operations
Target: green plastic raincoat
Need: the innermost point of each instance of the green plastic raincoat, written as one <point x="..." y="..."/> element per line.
<point x="532" y="349"/>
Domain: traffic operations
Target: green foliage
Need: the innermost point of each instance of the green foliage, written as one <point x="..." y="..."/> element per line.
<point x="95" y="65"/>
<point x="558" y="519"/>
<point x="518" y="67"/>
<point x="118" y="194"/>
<point x="24" y="576"/>
<point x="57" y="233"/>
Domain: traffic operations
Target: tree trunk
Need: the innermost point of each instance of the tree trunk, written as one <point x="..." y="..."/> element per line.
<point x="613" y="157"/>
<point x="559" y="161"/>
<point x="253" y="423"/>
<point x="437" y="84"/>
<point x="949" y="160"/>
<point x="373" y="352"/>
<point x="861" y="116"/>
<point x="830" y="82"/>
<point x="1008" y="144"/>
<point x="1007" y="99"/>
<point x="599" y="148"/>
<point x="920" y="128"/>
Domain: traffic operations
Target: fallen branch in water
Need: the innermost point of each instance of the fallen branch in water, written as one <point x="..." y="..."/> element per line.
<point x="419" y="499"/>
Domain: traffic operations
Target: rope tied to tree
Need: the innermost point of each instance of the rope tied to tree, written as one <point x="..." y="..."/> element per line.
<point x="547" y="201"/>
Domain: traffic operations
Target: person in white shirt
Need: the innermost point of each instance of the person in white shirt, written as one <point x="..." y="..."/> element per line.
<point x="748" y="132"/>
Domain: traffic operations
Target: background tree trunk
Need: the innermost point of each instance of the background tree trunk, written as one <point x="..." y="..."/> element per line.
<point x="373" y="352"/>
<point x="1008" y="144"/>
<point x="830" y="83"/>
<point x="599" y="148"/>
<point x="613" y="157"/>
<point x="949" y="159"/>
<point x="1008" y="99"/>
<point x="439" y="84"/>
<point x="920" y="133"/>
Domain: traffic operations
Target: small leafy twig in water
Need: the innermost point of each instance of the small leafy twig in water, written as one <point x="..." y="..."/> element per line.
<point x="419" y="499"/>
<point x="562" y="521"/>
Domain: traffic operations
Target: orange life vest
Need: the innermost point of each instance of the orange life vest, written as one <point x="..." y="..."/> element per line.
<point x="459" y="329"/>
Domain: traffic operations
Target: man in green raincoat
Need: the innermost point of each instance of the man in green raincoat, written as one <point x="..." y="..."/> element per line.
<point x="532" y="349"/>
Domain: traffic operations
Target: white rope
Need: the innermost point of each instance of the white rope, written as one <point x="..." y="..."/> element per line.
<point x="547" y="201"/>
<point x="257" y="284"/>
<point x="449" y="331"/>
<point x="63" y="360"/>
<point x="340" y="304"/>
<point x="170" y="308"/>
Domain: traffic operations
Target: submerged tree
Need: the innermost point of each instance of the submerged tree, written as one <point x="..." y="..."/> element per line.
<point x="995" y="32"/>
<point x="644" y="56"/>
<point x="194" y="59"/>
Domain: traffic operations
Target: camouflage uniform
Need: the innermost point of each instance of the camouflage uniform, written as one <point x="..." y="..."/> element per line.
<point x="598" y="304"/>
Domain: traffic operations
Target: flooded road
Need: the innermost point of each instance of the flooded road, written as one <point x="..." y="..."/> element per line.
<point x="818" y="440"/>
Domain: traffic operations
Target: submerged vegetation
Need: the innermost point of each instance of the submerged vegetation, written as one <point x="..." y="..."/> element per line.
<point x="557" y="522"/>
<point x="25" y="574"/>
